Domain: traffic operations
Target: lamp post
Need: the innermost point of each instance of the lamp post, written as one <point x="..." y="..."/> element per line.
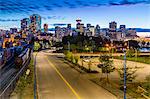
<point x="125" y="87"/>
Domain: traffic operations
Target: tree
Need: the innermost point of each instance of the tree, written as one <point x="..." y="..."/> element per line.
<point x="79" y="46"/>
<point x="130" y="75"/>
<point x="133" y="44"/>
<point x="130" y="53"/>
<point x="77" y="58"/>
<point x="73" y="47"/>
<point x="107" y="64"/>
<point x="73" y="59"/>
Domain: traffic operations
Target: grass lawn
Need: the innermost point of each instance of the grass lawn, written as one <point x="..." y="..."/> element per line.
<point x="145" y="60"/>
<point x="114" y="88"/>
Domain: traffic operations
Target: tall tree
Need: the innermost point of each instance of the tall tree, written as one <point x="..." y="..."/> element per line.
<point x="130" y="75"/>
<point x="107" y="65"/>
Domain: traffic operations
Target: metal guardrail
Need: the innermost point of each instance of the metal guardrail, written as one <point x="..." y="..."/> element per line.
<point x="5" y="94"/>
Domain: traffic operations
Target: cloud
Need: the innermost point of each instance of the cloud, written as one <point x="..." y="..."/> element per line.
<point x="56" y="17"/>
<point x="27" y="6"/>
<point x="128" y="2"/>
<point x="59" y="24"/>
<point x="57" y="5"/>
<point x="9" y="20"/>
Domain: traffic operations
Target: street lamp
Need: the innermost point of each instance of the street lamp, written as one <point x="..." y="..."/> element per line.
<point x="125" y="87"/>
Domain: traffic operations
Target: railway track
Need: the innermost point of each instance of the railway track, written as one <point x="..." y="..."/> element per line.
<point x="6" y="78"/>
<point x="9" y="79"/>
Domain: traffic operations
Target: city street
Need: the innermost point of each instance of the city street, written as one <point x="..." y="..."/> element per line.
<point x="57" y="80"/>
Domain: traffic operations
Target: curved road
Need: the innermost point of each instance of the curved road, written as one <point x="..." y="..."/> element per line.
<point x="57" y="80"/>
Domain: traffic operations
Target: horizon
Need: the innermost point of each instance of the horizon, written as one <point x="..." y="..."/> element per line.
<point x="133" y="14"/>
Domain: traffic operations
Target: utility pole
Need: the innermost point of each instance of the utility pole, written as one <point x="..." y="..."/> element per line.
<point x="125" y="87"/>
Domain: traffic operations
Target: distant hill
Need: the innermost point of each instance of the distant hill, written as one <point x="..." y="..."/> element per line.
<point x="142" y="30"/>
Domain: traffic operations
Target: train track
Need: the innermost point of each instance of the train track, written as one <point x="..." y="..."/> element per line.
<point x="6" y="78"/>
<point x="8" y="65"/>
<point x="9" y="79"/>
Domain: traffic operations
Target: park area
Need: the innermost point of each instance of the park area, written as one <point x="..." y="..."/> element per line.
<point x="138" y="71"/>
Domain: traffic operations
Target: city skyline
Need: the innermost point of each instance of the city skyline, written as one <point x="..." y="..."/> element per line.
<point x="132" y="13"/>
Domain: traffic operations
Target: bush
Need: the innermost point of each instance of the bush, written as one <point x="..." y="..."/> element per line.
<point x="130" y="53"/>
<point x="102" y="49"/>
<point x="69" y="55"/>
<point x="36" y="46"/>
<point x="76" y="59"/>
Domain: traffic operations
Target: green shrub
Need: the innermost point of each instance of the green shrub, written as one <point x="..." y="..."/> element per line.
<point x="36" y="46"/>
<point x="69" y="56"/>
<point x="130" y="53"/>
<point x="76" y="59"/>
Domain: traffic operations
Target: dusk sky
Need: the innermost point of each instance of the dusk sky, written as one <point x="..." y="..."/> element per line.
<point x="132" y="13"/>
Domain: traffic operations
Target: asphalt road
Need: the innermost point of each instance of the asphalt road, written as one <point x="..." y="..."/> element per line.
<point x="57" y="80"/>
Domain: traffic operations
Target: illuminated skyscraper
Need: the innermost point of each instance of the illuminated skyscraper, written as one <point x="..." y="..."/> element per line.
<point x="25" y="23"/>
<point x="35" y="23"/>
<point x="58" y="33"/>
<point x="88" y="26"/>
<point x="122" y="27"/>
<point x="46" y="28"/>
<point x="69" y="26"/>
<point x="97" y="30"/>
<point x="13" y="30"/>
<point x="79" y="26"/>
<point x="92" y="30"/>
<point x="112" y="26"/>
<point x="78" y="23"/>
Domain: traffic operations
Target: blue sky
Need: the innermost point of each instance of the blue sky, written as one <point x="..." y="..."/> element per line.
<point x="132" y="13"/>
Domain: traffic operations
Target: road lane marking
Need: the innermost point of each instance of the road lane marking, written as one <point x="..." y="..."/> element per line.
<point x="54" y="67"/>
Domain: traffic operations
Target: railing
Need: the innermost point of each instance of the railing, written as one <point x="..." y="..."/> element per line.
<point x="5" y="94"/>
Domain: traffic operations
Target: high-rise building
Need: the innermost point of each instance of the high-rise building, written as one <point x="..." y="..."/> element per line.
<point x="112" y="26"/>
<point x="92" y="30"/>
<point x="97" y="30"/>
<point x="69" y="26"/>
<point x="79" y="26"/>
<point x="13" y="30"/>
<point x="35" y="23"/>
<point x="25" y="23"/>
<point x="59" y="33"/>
<point x="78" y="23"/>
<point x="122" y="27"/>
<point x="104" y="32"/>
<point x="123" y="30"/>
<point x="88" y="25"/>
<point x="46" y="28"/>
<point x="131" y="32"/>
